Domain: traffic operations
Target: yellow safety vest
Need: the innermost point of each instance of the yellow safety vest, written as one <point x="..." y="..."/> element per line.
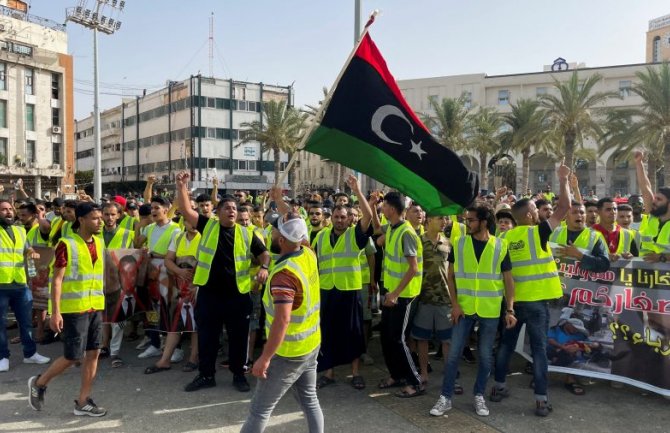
<point x="649" y="232"/>
<point x="268" y="244"/>
<point x="479" y="285"/>
<point x="34" y="237"/>
<point x="82" y="288"/>
<point x="339" y="266"/>
<point x="241" y="253"/>
<point x="396" y="265"/>
<point x="161" y="246"/>
<point x="365" y="266"/>
<point x="127" y="222"/>
<point x="586" y="239"/>
<point x="626" y="239"/>
<point x="534" y="269"/>
<point x="303" y="334"/>
<point x="184" y="250"/>
<point x="123" y="238"/>
<point x="62" y="226"/>
<point x="11" y="256"/>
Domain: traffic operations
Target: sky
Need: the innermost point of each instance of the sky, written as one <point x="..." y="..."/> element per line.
<point x="306" y="42"/>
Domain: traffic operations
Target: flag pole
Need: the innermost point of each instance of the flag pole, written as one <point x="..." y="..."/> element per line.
<point x="326" y="100"/>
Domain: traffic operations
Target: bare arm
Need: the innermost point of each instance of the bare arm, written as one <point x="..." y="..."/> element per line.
<point x="56" y="322"/>
<point x="149" y="189"/>
<point x="182" y="201"/>
<point x="215" y="192"/>
<point x="574" y="188"/>
<point x="643" y="182"/>
<point x="509" y="289"/>
<point x="563" y="205"/>
<point x="376" y="224"/>
<point x="276" y="196"/>
<point x="363" y="203"/>
<point x="282" y="317"/>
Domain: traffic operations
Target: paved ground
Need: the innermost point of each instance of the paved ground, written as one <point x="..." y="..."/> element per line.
<point x="156" y="403"/>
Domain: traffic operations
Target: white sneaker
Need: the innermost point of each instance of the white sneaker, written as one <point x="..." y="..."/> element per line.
<point x="144" y="343"/>
<point x="443" y="404"/>
<point x="150" y="352"/>
<point x="4" y="365"/>
<point x="367" y="359"/>
<point x="36" y="359"/>
<point x="177" y="356"/>
<point x="480" y="406"/>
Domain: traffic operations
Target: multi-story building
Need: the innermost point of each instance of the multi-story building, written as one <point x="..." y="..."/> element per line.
<point x="658" y="40"/>
<point x="194" y="124"/>
<point x="36" y="102"/>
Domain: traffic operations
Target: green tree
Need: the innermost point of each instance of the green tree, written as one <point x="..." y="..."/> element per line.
<point x="450" y="122"/>
<point x="527" y="131"/>
<point x="573" y="113"/>
<point x="281" y="131"/>
<point x="483" y="137"/>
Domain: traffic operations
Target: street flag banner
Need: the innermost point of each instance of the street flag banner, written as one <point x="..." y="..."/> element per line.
<point x="369" y="127"/>
<point x="612" y="325"/>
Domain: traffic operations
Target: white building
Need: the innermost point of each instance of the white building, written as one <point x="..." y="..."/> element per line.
<point x="194" y="124"/>
<point x="605" y="175"/>
<point x="36" y="102"/>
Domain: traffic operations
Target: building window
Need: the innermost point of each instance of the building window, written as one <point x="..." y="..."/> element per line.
<point x="3" y="114"/>
<point x="3" y="76"/>
<point x="30" y="151"/>
<point x="55" y="117"/>
<point x="624" y="88"/>
<point x="503" y="97"/>
<point x="3" y="151"/>
<point x="540" y="91"/>
<point x="30" y="117"/>
<point x="55" y="86"/>
<point x="30" y="81"/>
<point x="467" y="98"/>
<point x="656" y="50"/>
<point x="55" y="153"/>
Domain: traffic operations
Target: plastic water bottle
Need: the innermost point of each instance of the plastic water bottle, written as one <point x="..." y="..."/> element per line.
<point x="30" y="267"/>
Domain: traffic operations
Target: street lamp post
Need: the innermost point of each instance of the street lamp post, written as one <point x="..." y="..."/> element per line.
<point x="97" y="19"/>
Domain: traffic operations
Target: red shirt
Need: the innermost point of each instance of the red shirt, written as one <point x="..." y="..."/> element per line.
<point x="61" y="254"/>
<point x="612" y="238"/>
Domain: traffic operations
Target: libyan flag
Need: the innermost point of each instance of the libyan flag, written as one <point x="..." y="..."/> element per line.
<point x="369" y="127"/>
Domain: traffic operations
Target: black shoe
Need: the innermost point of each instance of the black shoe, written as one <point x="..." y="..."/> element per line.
<point x="200" y="382"/>
<point x="468" y="356"/>
<point x="240" y="383"/>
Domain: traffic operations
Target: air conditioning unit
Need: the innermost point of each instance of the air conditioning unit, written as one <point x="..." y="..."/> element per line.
<point x="56" y="130"/>
<point x="55" y="166"/>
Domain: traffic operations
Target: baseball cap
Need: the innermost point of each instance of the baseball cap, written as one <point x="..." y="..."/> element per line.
<point x="131" y="205"/>
<point x="271" y="218"/>
<point x="295" y="230"/>
<point x="579" y="325"/>
<point x="84" y="209"/>
<point x="120" y="200"/>
<point x="58" y="202"/>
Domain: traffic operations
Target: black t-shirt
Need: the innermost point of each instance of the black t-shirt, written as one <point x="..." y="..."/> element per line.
<point x="222" y="272"/>
<point x="545" y="230"/>
<point x="479" y="246"/>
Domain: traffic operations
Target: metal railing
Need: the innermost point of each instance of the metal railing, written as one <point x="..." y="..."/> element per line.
<point x="10" y="12"/>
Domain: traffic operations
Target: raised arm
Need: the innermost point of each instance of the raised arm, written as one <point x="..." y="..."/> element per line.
<point x="574" y="188"/>
<point x="643" y="182"/>
<point x="563" y="205"/>
<point x="276" y="196"/>
<point x="215" y="191"/>
<point x="181" y="200"/>
<point x="149" y="189"/>
<point x="366" y="216"/>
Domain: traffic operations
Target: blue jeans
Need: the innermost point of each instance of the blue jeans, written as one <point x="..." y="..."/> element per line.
<point x="536" y="317"/>
<point x="21" y="301"/>
<point x="460" y="335"/>
<point x="284" y="373"/>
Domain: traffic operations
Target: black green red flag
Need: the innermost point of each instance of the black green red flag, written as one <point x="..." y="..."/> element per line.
<point x="369" y="127"/>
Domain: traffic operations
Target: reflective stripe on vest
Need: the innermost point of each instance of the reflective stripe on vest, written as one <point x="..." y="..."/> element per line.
<point x="479" y="284"/>
<point x="396" y="265"/>
<point x="121" y="239"/>
<point x="163" y="243"/>
<point x="11" y="256"/>
<point x="127" y="223"/>
<point x="82" y="287"/>
<point x="185" y="251"/>
<point x="339" y="266"/>
<point x="586" y="239"/>
<point x="651" y="231"/>
<point x="241" y="253"/>
<point x="303" y="334"/>
<point x="534" y="269"/>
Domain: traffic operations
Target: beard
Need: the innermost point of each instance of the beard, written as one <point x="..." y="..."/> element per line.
<point x="6" y="222"/>
<point x="275" y="248"/>
<point x="660" y="211"/>
<point x="315" y="223"/>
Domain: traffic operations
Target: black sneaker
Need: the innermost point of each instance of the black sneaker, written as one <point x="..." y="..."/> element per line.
<point x="497" y="394"/>
<point x="240" y="383"/>
<point x="542" y="408"/>
<point x="200" y="382"/>
<point x="36" y="393"/>
<point x="89" y="408"/>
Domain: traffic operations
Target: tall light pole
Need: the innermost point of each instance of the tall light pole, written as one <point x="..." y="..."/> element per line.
<point x="99" y="18"/>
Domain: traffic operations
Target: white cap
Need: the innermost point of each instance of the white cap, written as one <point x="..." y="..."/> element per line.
<point x="295" y="230"/>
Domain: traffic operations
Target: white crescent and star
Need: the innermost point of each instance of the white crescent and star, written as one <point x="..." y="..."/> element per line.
<point x="391" y="110"/>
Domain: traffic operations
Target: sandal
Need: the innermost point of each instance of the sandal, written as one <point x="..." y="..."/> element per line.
<point x="358" y="382"/>
<point x="189" y="367"/>
<point x="324" y="381"/>
<point x="406" y="394"/>
<point x="458" y="389"/>
<point x="117" y="362"/>
<point x="155" y="369"/>
<point x="390" y="383"/>
<point x="574" y="388"/>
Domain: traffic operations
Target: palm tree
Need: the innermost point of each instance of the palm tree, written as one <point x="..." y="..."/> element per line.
<point x="281" y="131"/>
<point x="483" y="137"/>
<point x="449" y="123"/>
<point x="527" y="131"/>
<point x="572" y="113"/>
<point x="652" y="120"/>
